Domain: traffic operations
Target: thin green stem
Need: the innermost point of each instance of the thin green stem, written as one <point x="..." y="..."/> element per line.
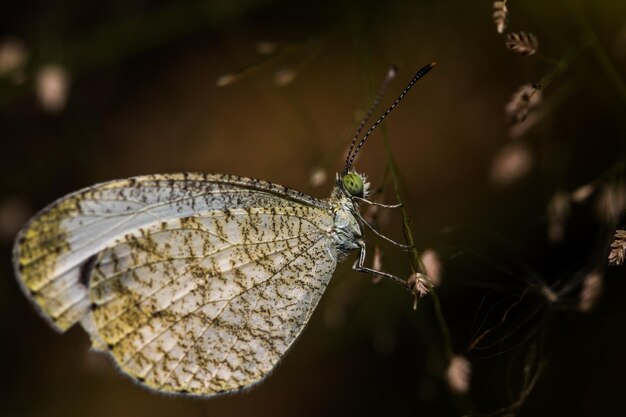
<point x="602" y="55"/>
<point x="562" y="65"/>
<point x="547" y="60"/>
<point x="414" y="256"/>
<point x="443" y="326"/>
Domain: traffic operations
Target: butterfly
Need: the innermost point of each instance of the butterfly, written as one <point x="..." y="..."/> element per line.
<point x="195" y="284"/>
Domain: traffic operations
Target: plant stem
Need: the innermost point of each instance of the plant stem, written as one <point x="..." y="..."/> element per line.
<point x="601" y="54"/>
<point x="414" y="257"/>
<point x="562" y="65"/>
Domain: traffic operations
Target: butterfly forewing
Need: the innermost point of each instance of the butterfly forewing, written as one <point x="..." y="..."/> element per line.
<point x="194" y="283"/>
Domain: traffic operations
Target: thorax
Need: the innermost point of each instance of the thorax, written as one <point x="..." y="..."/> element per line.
<point x="346" y="230"/>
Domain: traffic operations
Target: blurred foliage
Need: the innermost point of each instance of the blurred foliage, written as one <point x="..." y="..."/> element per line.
<point x="140" y="95"/>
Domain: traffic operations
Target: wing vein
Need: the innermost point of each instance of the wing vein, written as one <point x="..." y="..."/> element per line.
<point x="174" y="280"/>
<point x="255" y="304"/>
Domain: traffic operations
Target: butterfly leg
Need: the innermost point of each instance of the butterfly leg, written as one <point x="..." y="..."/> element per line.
<point x="359" y="265"/>
<point x="374" y="203"/>
<point x="393" y="242"/>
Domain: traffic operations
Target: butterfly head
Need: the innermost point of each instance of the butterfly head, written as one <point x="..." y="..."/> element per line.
<point x="355" y="184"/>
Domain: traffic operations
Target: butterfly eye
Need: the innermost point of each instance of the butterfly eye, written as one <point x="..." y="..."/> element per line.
<point x="353" y="183"/>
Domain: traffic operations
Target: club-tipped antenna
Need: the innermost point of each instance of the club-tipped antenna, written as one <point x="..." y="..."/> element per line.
<point x="391" y="74"/>
<point x="423" y="71"/>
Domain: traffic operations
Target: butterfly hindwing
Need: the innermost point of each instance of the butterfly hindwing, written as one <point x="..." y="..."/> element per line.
<point x="215" y="317"/>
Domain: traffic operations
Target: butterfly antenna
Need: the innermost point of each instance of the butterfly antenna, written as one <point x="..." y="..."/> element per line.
<point x="391" y="74"/>
<point x="423" y="71"/>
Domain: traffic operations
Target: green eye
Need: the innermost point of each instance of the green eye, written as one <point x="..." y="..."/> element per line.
<point x="353" y="183"/>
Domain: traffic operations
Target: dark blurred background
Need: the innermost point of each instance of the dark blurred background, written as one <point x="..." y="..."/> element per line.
<point x="520" y="215"/>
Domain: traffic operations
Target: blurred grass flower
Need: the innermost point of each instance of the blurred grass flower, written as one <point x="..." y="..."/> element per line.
<point x="52" y="86"/>
<point x="525" y="99"/>
<point x="458" y="374"/>
<point x="318" y="177"/>
<point x="13" y="57"/>
<point x="377" y="264"/>
<point x="611" y="201"/>
<point x="582" y="193"/>
<point x="266" y="47"/>
<point x="432" y="266"/>
<point x="14" y="212"/>
<point x="284" y="76"/>
<point x="511" y="163"/>
<point x="558" y="210"/>
<point x="591" y="291"/>
<point x="226" y="79"/>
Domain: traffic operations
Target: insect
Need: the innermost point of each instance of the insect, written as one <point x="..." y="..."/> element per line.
<point x="195" y="284"/>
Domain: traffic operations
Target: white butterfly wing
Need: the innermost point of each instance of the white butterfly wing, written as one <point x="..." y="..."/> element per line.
<point x="194" y="283"/>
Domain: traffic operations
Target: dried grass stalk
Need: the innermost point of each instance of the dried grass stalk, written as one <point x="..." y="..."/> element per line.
<point x="618" y="248"/>
<point x="523" y="43"/>
<point x="419" y="284"/>
<point x="500" y="15"/>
